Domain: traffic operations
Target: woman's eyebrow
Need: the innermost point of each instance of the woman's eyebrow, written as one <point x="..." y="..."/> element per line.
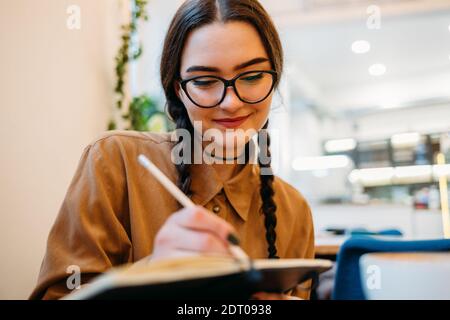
<point x="250" y="62"/>
<point x="236" y="68"/>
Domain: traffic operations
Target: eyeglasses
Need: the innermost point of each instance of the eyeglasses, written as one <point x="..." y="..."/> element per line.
<point x="250" y="87"/>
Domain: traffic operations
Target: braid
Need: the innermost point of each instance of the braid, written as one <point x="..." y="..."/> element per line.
<point x="181" y="119"/>
<point x="269" y="207"/>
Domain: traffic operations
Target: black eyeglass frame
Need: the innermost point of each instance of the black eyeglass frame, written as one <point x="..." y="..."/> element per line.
<point x="230" y="83"/>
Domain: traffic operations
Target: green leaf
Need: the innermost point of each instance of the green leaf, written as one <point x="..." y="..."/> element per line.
<point x="157" y="122"/>
<point x="112" y="125"/>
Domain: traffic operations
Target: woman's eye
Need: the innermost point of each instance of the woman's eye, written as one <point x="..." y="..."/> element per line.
<point x="204" y="83"/>
<point x="253" y="77"/>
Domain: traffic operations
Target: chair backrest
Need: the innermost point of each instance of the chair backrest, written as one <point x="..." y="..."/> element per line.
<point x="347" y="284"/>
<point x="383" y="232"/>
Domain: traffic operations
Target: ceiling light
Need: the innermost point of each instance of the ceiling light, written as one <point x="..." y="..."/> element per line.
<point x="360" y="46"/>
<point x="340" y="145"/>
<point x="399" y="175"/>
<point x="377" y="69"/>
<point x="441" y="170"/>
<point x="413" y="174"/>
<point x="409" y="139"/>
<point x="372" y="176"/>
<point x="320" y="163"/>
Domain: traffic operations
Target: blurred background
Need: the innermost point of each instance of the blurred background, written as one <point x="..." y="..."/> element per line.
<point x="360" y="117"/>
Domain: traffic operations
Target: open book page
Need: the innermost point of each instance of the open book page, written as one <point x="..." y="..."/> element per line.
<point x="203" y="273"/>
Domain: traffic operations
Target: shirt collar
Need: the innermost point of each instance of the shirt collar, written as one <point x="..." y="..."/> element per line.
<point x="239" y="190"/>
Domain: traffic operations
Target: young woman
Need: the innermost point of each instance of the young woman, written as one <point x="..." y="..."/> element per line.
<point x="221" y="62"/>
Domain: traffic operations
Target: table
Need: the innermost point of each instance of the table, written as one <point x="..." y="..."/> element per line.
<point x="327" y="246"/>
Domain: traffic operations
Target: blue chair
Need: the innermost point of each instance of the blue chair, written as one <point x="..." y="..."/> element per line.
<point x="347" y="284"/>
<point x="383" y="232"/>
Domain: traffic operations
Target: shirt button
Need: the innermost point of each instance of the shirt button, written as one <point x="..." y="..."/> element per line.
<point x="216" y="209"/>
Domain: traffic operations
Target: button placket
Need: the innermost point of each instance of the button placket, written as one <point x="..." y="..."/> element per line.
<point x="216" y="208"/>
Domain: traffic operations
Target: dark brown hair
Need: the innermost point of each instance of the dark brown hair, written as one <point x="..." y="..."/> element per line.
<point x="192" y="15"/>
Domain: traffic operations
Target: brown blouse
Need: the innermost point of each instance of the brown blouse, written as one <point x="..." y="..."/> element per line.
<point x="114" y="208"/>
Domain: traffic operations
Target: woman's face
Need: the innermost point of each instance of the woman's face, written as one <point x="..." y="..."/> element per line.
<point x="225" y="50"/>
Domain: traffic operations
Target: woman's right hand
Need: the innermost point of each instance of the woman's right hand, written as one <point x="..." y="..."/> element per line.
<point x="193" y="231"/>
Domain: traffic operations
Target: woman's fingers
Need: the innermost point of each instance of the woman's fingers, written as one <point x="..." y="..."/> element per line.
<point x="193" y="231"/>
<point x="200" y="219"/>
<point x="193" y="240"/>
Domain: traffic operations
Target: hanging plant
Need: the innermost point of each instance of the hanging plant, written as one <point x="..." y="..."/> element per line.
<point x="144" y="115"/>
<point x="142" y="108"/>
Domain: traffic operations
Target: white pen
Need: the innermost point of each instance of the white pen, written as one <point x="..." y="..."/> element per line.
<point x="236" y="251"/>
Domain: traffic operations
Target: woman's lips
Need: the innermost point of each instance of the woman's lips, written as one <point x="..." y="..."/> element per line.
<point x="231" y="122"/>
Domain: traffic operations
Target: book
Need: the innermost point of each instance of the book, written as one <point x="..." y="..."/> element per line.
<point x="200" y="277"/>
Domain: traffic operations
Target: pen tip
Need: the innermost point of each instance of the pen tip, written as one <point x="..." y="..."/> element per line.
<point x="233" y="239"/>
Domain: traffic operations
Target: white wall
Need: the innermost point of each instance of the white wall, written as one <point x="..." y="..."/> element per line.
<point x="424" y="120"/>
<point x="152" y="35"/>
<point x="383" y="124"/>
<point x="56" y="90"/>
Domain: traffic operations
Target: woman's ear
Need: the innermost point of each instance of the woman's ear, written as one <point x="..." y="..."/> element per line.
<point x="177" y="88"/>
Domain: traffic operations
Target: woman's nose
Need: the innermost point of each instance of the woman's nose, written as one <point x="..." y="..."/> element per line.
<point x="231" y="102"/>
